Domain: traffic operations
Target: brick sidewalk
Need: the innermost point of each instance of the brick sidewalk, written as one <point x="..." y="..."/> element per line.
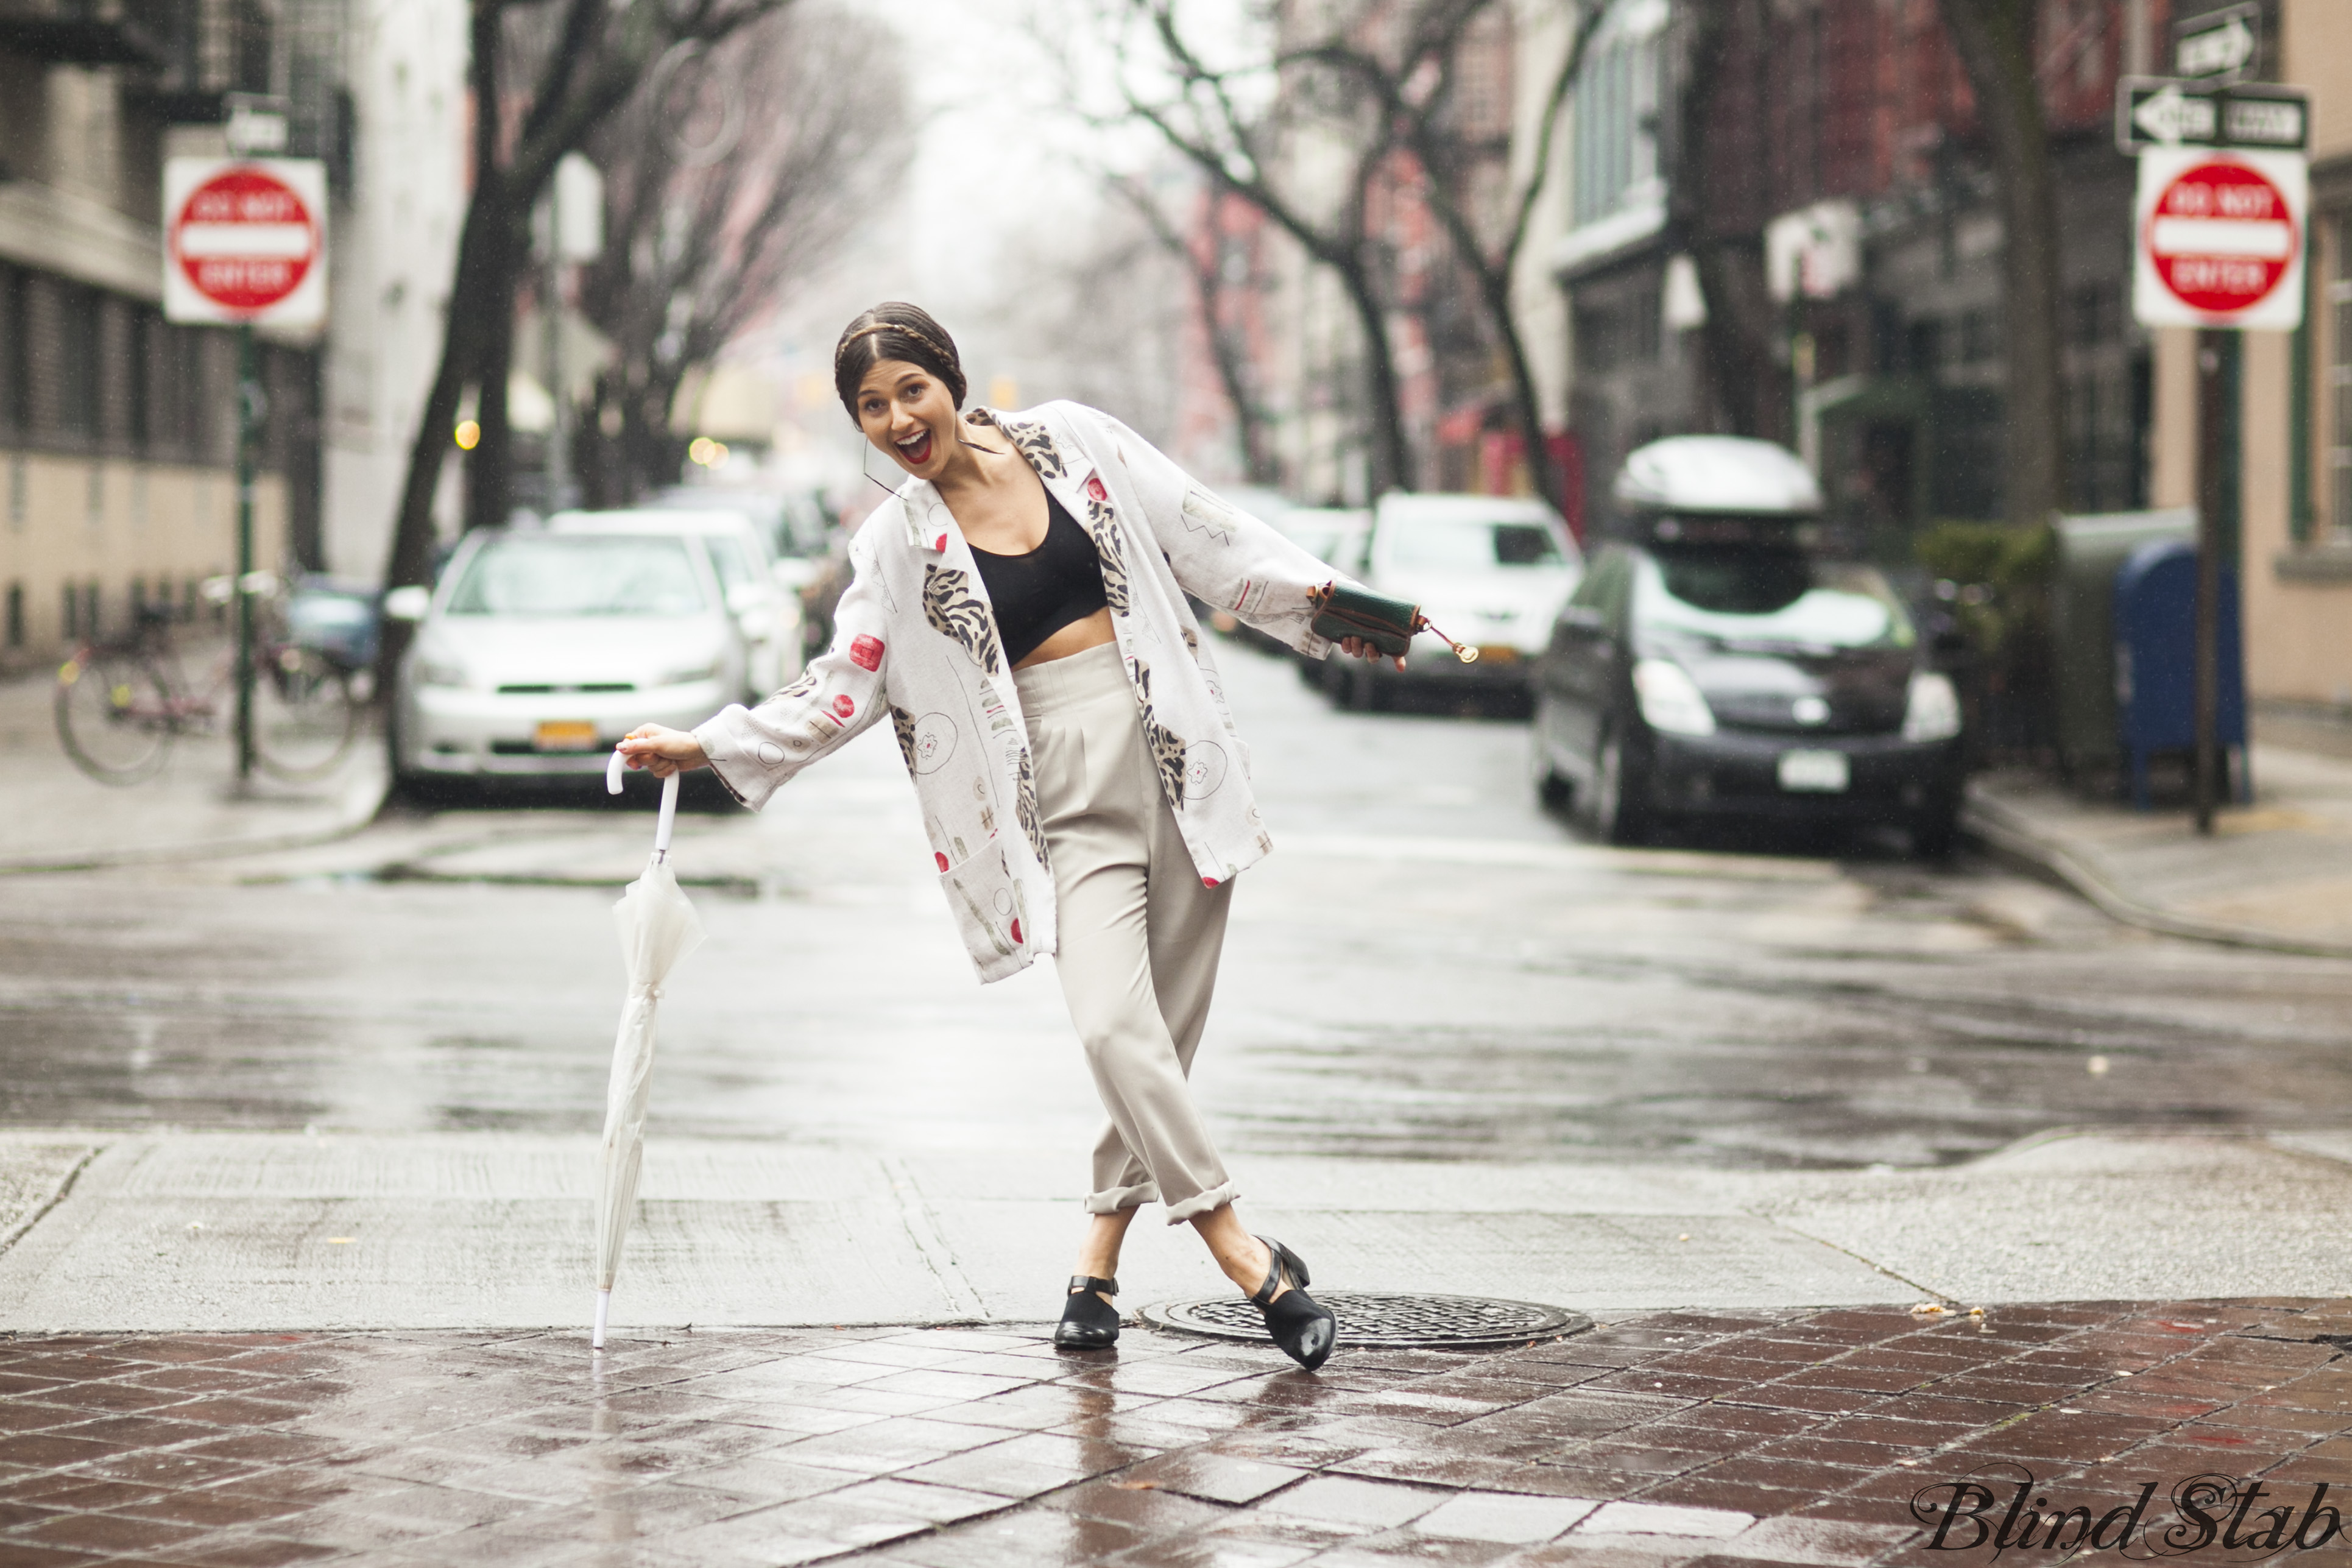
<point x="1712" y="1441"/>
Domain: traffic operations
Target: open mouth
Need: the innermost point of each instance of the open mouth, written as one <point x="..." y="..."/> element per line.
<point x="916" y="450"/>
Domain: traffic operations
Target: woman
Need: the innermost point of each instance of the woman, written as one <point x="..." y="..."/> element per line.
<point x="1017" y="608"/>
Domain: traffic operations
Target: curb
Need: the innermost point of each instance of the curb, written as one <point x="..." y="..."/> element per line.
<point x="2006" y="830"/>
<point x="361" y="804"/>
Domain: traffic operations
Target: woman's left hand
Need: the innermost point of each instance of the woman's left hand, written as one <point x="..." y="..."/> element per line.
<point x="1357" y="647"/>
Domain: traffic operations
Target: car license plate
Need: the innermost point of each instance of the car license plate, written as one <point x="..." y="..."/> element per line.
<point x="566" y="735"/>
<point x="1815" y="772"/>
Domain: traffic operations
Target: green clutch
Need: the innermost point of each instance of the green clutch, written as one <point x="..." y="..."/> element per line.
<point x="1389" y="625"/>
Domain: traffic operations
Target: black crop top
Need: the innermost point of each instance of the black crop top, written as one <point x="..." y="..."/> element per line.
<point x="1038" y="593"/>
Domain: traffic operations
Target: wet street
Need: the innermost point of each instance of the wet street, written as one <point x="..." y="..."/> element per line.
<point x="1428" y="967"/>
<point x="296" y="1172"/>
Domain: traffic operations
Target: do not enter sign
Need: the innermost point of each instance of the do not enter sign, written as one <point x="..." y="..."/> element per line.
<point x="2221" y="239"/>
<point x="245" y="240"/>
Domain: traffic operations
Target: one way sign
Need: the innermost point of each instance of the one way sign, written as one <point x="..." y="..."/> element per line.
<point x="2219" y="45"/>
<point x="2158" y="112"/>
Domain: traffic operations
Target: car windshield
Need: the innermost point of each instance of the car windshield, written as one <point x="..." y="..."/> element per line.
<point x="1770" y="596"/>
<point x="549" y="574"/>
<point x="732" y="558"/>
<point x="1320" y="537"/>
<point x="1472" y="546"/>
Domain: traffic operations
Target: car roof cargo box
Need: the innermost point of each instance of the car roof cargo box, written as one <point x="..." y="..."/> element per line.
<point x="1723" y="475"/>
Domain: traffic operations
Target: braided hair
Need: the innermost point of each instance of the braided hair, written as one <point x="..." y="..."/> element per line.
<point x="894" y="331"/>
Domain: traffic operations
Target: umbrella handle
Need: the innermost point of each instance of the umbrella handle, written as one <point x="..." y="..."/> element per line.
<point x="612" y="769"/>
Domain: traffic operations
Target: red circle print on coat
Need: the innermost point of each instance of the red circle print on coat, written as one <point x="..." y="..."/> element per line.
<point x="843" y="706"/>
<point x="865" y="652"/>
<point x="1016" y="930"/>
<point x="1095" y="488"/>
<point x="941" y="859"/>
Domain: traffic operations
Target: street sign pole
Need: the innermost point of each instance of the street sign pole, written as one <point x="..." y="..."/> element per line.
<point x="2219" y="221"/>
<point x="245" y="246"/>
<point x="2212" y="436"/>
<point x="249" y="436"/>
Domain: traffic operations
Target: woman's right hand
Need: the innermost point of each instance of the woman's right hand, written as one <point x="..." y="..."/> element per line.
<point x="662" y="750"/>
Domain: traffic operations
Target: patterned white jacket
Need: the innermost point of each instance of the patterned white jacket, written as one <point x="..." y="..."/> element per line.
<point x="915" y="637"/>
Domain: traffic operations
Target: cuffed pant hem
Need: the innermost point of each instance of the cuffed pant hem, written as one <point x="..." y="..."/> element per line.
<point x="1117" y="1198"/>
<point x="1199" y="1204"/>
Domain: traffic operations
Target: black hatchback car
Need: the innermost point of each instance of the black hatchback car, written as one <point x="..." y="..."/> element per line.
<point x="1717" y="667"/>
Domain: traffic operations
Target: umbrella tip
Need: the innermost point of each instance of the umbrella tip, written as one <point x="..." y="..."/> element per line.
<point x="603" y="1305"/>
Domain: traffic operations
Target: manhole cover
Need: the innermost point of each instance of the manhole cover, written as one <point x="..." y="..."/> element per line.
<point x="1373" y="1320"/>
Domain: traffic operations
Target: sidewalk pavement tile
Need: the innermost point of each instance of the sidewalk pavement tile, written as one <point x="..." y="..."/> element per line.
<point x="1005" y="1469"/>
<point x="2274" y="873"/>
<point x="1353" y="1501"/>
<point x="1649" y="1519"/>
<point x="1216" y="1478"/>
<point x="392" y="1450"/>
<point x="1502" y="1516"/>
<point x="1821" y="1541"/>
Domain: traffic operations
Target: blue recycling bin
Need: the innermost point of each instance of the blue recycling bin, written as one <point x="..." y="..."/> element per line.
<point x="2155" y="662"/>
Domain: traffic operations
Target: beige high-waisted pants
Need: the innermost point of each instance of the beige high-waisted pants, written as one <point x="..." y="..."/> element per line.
<point x="1138" y="935"/>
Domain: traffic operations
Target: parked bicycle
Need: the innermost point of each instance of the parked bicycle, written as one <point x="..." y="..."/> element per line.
<point x="121" y="701"/>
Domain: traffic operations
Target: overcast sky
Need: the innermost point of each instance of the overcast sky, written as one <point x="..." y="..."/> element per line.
<point x="992" y="166"/>
<point x="997" y="176"/>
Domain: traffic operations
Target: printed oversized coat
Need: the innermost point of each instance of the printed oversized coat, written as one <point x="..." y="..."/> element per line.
<point x="915" y="637"/>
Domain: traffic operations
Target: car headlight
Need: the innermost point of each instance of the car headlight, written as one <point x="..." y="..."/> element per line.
<point x="1671" y="700"/>
<point x="1932" y="712"/>
<point x="440" y="672"/>
<point x="691" y="674"/>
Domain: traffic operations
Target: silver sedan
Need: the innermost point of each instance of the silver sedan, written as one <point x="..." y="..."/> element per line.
<point x="539" y="650"/>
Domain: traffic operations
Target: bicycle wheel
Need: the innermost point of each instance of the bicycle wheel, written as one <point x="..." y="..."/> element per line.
<point x="303" y="716"/>
<point x="114" y="715"/>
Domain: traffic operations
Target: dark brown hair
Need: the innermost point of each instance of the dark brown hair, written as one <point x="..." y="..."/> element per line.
<point x="899" y="331"/>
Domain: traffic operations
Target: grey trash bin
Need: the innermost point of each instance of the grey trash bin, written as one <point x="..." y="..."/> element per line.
<point x="2091" y="548"/>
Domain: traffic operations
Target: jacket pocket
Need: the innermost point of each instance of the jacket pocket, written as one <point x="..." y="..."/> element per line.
<point x="986" y="903"/>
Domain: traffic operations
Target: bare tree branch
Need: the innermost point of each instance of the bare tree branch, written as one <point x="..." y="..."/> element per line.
<point x="698" y="247"/>
<point x="597" y="54"/>
<point x="1205" y="269"/>
<point x="1406" y="81"/>
<point x="1343" y="246"/>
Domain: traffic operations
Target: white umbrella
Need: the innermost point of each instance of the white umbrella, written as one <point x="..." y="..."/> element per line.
<point x="658" y="927"/>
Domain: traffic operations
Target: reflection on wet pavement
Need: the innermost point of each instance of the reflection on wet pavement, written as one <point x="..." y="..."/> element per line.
<point x="1427" y="967"/>
<point x="1666" y="1439"/>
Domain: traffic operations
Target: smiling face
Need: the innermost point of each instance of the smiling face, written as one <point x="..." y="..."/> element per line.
<point x="909" y="413"/>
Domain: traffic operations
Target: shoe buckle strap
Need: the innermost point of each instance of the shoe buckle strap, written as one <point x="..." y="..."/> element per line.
<point x="1082" y="1283"/>
<point x="1263" y="1294"/>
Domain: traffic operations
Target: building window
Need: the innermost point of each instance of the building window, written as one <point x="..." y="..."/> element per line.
<point x="1615" y="118"/>
<point x="15" y="358"/>
<point x="1980" y="336"/>
<point x="16" y="615"/>
<point x="78" y="369"/>
<point x="2339" y="374"/>
<point x="2097" y="315"/>
<point x="139" y="388"/>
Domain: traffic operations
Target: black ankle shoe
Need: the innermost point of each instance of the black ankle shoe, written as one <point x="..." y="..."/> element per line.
<point x="1303" y="1327"/>
<point x="1089" y="1322"/>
